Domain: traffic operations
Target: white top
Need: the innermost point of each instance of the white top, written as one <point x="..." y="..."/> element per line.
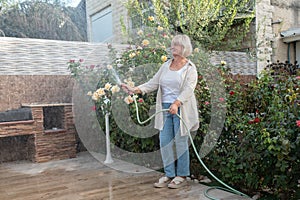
<point x="170" y="83"/>
<point x="188" y="109"/>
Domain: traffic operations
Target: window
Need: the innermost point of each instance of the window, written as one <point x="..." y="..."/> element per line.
<point x="102" y="26"/>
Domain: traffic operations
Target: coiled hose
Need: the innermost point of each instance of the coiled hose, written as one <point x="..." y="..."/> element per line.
<point x="225" y="188"/>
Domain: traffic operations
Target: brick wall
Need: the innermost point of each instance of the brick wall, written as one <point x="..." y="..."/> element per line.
<point x="55" y="144"/>
<point x="35" y="71"/>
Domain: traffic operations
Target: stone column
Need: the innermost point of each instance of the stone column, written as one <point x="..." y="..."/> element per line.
<point x="264" y="32"/>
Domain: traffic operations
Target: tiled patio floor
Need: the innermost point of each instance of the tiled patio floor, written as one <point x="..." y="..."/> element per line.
<point x="85" y="178"/>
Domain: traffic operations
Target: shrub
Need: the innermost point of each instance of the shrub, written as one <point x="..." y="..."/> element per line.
<point x="259" y="146"/>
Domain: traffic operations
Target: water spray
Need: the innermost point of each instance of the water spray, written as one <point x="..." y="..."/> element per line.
<point x="226" y="187"/>
<point x="115" y="75"/>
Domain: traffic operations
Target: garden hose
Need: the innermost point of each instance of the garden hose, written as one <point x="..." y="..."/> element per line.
<point x="226" y="187"/>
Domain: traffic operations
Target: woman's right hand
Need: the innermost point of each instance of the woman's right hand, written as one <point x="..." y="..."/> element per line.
<point x="127" y="88"/>
<point x="130" y="90"/>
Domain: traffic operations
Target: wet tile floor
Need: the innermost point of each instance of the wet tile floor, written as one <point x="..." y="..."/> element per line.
<point x="85" y="178"/>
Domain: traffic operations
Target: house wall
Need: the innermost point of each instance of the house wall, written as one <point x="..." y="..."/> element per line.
<point x="287" y="14"/>
<point x="273" y="17"/>
<point x="118" y="11"/>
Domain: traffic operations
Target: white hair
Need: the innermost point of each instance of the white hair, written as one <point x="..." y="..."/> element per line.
<point x="185" y="42"/>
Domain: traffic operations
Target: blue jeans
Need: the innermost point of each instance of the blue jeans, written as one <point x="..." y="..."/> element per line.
<point x="174" y="146"/>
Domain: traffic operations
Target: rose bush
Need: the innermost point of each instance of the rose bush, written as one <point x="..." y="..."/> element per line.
<point x="259" y="146"/>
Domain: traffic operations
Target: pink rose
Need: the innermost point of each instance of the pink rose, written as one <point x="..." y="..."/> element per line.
<point x="221" y="99"/>
<point x="298" y="123"/>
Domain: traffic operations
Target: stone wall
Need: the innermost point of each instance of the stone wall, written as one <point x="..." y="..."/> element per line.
<point x="264" y="32"/>
<point x="35" y="70"/>
<point x="41" y="144"/>
<point x="16" y="148"/>
<point x="56" y="144"/>
<point x="18" y="89"/>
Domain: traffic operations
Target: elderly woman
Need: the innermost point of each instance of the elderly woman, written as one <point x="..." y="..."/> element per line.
<point x="175" y="82"/>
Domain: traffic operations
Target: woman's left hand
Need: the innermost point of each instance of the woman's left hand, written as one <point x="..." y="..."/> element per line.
<point x="173" y="109"/>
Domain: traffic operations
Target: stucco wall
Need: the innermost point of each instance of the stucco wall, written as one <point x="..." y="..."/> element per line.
<point x="273" y="17"/>
<point x="286" y="15"/>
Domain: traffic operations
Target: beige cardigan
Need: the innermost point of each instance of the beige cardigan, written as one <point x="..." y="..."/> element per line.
<point x="188" y="109"/>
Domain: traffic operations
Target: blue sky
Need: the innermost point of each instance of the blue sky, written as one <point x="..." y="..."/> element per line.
<point x="72" y="3"/>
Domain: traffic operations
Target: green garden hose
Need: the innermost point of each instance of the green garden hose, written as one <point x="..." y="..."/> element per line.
<point x="226" y="187"/>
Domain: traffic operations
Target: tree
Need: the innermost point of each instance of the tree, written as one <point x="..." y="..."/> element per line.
<point x="215" y="24"/>
<point x="44" y="20"/>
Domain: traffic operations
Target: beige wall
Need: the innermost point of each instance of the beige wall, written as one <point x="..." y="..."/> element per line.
<point x="118" y="11"/>
<point x="288" y="12"/>
<point x="272" y="18"/>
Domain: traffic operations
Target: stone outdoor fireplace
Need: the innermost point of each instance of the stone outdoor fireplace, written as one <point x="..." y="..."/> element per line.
<point x="46" y="133"/>
<point x="53" y="117"/>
